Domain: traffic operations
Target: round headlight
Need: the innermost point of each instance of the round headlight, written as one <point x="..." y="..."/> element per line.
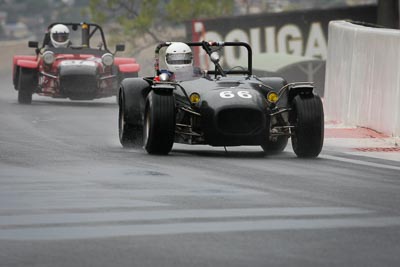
<point x="272" y="97"/>
<point x="48" y="57"/>
<point x="107" y="59"/>
<point x="194" y="98"/>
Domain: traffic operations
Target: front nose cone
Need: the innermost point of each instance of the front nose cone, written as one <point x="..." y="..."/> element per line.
<point x="239" y="121"/>
<point x="233" y="117"/>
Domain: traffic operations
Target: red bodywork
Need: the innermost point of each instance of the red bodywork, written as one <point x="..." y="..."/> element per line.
<point x="77" y="72"/>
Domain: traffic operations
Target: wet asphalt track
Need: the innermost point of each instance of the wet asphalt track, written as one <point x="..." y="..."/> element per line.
<point x="70" y="195"/>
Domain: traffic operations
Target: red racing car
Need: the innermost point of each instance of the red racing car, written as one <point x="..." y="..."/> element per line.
<point x="68" y="66"/>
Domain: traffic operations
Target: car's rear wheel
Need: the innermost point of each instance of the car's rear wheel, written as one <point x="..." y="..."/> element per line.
<point x="307" y="116"/>
<point x="25" y="85"/>
<point x="129" y="134"/>
<point x="159" y="123"/>
<point x="275" y="146"/>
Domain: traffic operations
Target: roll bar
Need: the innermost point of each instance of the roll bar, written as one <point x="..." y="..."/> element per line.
<point x="207" y="47"/>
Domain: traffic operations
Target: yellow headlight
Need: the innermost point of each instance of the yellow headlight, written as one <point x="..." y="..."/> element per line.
<point x="272" y="97"/>
<point x="194" y="98"/>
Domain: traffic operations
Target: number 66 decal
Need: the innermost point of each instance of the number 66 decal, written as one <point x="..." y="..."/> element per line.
<point x="230" y="94"/>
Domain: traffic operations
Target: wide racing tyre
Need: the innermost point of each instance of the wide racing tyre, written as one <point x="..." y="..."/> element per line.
<point x="26" y="83"/>
<point x="276" y="146"/>
<point x="307" y="117"/>
<point x="159" y="123"/>
<point x="129" y="134"/>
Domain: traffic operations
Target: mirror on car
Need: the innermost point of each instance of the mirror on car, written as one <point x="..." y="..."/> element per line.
<point x="33" y="44"/>
<point x="120" y="48"/>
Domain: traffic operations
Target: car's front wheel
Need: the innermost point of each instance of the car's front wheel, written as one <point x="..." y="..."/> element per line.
<point x="308" y="119"/>
<point x="129" y="134"/>
<point x="25" y="85"/>
<point x="159" y="123"/>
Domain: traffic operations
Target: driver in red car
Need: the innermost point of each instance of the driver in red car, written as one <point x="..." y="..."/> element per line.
<point x="59" y="36"/>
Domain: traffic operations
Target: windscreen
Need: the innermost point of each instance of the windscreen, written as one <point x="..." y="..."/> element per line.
<point x="95" y="40"/>
<point x="233" y="60"/>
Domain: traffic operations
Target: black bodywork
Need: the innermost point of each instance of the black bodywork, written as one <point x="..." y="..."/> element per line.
<point x="233" y="109"/>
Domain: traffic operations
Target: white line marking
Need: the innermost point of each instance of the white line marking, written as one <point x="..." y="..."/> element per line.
<point x="86" y="232"/>
<point x="21" y="204"/>
<point x="360" y="162"/>
<point x="65" y="218"/>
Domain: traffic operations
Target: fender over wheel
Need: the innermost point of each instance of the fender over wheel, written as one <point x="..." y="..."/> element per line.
<point x="121" y="77"/>
<point x="307" y="116"/>
<point x="126" y="75"/>
<point x="159" y="123"/>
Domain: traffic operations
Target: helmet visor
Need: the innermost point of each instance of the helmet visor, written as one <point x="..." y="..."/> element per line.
<point x="179" y="58"/>
<point x="60" y="36"/>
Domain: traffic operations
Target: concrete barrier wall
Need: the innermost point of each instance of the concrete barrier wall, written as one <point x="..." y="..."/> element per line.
<point x="362" y="82"/>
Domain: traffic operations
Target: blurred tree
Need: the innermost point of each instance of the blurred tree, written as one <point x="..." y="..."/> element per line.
<point x="149" y="21"/>
<point x="33" y="7"/>
<point x="181" y="10"/>
<point x="69" y="12"/>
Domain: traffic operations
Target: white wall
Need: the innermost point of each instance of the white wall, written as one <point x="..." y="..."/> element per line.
<point x="362" y="83"/>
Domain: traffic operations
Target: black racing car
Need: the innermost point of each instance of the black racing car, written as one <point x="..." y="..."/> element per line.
<point x="220" y="107"/>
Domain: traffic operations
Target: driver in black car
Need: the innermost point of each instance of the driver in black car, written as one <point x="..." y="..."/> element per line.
<point x="179" y="61"/>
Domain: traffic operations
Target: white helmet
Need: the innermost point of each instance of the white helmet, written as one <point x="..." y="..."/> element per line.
<point x="178" y="56"/>
<point x="59" y="35"/>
